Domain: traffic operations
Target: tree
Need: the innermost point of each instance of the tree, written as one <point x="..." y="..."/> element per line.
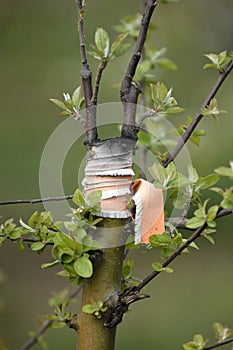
<point x="80" y="253"/>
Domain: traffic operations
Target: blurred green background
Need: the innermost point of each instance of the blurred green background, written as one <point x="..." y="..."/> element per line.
<point x="39" y="59"/>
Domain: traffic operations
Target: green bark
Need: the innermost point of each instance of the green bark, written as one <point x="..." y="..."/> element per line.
<point x="105" y="282"/>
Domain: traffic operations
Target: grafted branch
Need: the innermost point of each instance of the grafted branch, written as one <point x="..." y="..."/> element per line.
<point x="86" y="76"/>
<point x="129" y="89"/>
<point x="199" y="115"/>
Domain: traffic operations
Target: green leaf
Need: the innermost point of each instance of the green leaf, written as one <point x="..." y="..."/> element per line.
<point x="58" y="103"/>
<point x="76" y="96"/>
<point x="195" y="222"/>
<point x="160" y="241"/>
<point x="168" y="269"/>
<point x="37" y="246"/>
<point x="83" y="267"/>
<point x="157" y="266"/>
<point x="166" y="63"/>
<point x="118" y="48"/>
<point x="102" y="42"/>
<point x="207" y="181"/>
<point x="224" y="171"/>
<point x="47" y="265"/>
<point x="79" y="198"/>
<point x="89" y="308"/>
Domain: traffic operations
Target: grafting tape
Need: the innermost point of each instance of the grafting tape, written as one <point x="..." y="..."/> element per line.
<point x="109" y="169"/>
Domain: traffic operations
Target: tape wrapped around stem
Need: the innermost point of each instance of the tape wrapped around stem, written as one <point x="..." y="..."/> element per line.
<point x="109" y="169"/>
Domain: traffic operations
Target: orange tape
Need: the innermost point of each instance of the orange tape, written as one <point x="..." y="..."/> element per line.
<point x="109" y="169"/>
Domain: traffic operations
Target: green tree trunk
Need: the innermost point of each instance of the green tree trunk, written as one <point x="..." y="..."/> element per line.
<point x="105" y="282"/>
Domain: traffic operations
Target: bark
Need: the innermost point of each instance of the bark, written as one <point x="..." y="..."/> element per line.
<point x="105" y="282"/>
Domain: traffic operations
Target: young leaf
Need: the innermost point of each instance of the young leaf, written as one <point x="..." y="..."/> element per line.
<point x="78" y="198"/>
<point x="83" y="267"/>
<point x="76" y="96"/>
<point x="89" y="308"/>
<point x="58" y="103"/>
<point x="102" y="42"/>
<point x="37" y="246"/>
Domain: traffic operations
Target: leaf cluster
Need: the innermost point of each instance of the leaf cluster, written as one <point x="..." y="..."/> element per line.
<point x="221" y="333"/>
<point x="218" y="61"/>
<point x="96" y="308"/>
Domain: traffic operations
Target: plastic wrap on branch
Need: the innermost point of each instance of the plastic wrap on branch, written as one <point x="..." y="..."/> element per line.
<point x="109" y="169"/>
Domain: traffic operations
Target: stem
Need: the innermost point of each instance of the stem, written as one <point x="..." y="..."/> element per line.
<point x="199" y="115"/>
<point x="180" y="249"/>
<point x="220" y="343"/>
<point x="46" y="324"/>
<point x="101" y="67"/>
<point x="105" y="282"/>
<point x="129" y="89"/>
<point x="37" y="200"/>
<point x="86" y="76"/>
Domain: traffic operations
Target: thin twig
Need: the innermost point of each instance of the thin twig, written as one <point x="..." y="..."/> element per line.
<point x="129" y="89"/>
<point x="218" y="344"/>
<point x="46" y="324"/>
<point x="177" y="252"/>
<point x="101" y="67"/>
<point x="199" y="115"/>
<point x="37" y="200"/>
<point x="86" y="76"/>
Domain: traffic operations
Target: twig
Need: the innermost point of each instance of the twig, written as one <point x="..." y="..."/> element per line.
<point x="86" y="76"/>
<point x="129" y="89"/>
<point x="199" y="115"/>
<point x="46" y="324"/>
<point x="37" y="200"/>
<point x="132" y="292"/>
<point x="101" y="67"/>
<point x="218" y="344"/>
<point x="180" y="249"/>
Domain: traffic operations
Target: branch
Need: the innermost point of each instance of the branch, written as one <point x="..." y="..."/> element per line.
<point x="129" y="89"/>
<point x="101" y="67"/>
<point x="131" y="294"/>
<point x="86" y="76"/>
<point x="220" y="343"/>
<point x="47" y="323"/>
<point x="199" y="115"/>
<point x="38" y="200"/>
<point x="180" y="249"/>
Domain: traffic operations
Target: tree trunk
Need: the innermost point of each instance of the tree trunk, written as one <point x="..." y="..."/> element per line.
<point x="105" y="282"/>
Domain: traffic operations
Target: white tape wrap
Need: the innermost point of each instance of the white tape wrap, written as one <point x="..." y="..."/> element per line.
<point x="109" y="169"/>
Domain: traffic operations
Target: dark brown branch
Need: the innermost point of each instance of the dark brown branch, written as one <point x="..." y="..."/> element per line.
<point x="218" y="344"/>
<point x="199" y="115"/>
<point x="132" y="292"/>
<point x="37" y="200"/>
<point x="101" y="67"/>
<point x="129" y="89"/>
<point x="86" y="76"/>
<point x="46" y="324"/>
<point x="180" y="249"/>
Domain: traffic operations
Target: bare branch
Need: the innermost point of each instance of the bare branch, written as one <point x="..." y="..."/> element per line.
<point x="86" y="76"/>
<point x="199" y="115"/>
<point x="47" y="323"/>
<point x="218" y="344"/>
<point x="101" y="67"/>
<point x="37" y="200"/>
<point x="129" y="89"/>
<point x="180" y="249"/>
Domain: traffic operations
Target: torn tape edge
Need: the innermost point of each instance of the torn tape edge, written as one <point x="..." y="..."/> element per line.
<point x="138" y="218"/>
